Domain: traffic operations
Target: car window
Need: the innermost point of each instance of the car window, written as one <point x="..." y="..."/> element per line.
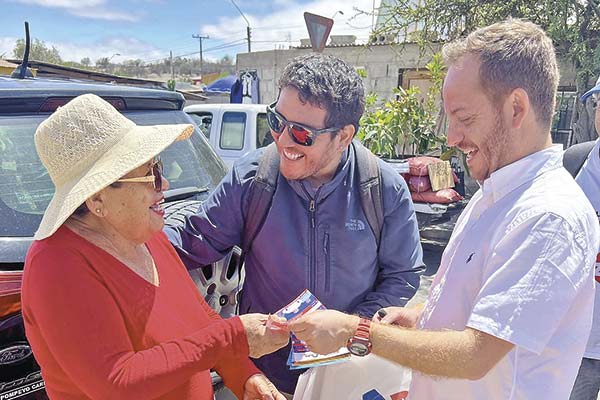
<point x="204" y="121"/>
<point x="24" y="182"/>
<point x="186" y="163"/>
<point x="263" y="133"/>
<point x="232" y="131"/>
<point x="26" y="188"/>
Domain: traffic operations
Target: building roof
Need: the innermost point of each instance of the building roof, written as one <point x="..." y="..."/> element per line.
<point x="4" y="63"/>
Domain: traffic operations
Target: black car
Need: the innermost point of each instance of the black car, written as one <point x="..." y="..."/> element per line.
<point x="191" y="166"/>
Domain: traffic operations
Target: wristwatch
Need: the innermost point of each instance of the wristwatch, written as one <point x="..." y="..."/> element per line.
<point x="360" y="344"/>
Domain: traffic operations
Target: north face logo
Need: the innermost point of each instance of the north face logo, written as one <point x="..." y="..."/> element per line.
<point x="355" y="225"/>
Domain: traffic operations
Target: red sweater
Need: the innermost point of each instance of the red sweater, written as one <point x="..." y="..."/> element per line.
<point x="100" y="331"/>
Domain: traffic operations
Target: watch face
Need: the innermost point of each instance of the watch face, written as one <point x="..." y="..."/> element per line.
<point x="358" y="349"/>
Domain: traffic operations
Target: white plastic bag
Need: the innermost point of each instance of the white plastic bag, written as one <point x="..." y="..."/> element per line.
<point x="360" y="378"/>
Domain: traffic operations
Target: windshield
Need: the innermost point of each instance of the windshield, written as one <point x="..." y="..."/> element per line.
<point x="26" y="188"/>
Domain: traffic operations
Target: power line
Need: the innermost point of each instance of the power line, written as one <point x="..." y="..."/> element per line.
<point x="227" y="47"/>
<point x="228" y="44"/>
<point x="247" y="25"/>
<point x="186" y="47"/>
<point x="218" y="47"/>
<point x="231" y="33"/>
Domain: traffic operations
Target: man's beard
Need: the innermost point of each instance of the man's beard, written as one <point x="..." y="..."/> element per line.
<point x="496" y="145"/>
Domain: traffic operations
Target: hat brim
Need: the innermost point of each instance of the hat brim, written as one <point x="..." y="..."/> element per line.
<point x="595" y="89"/>
<point x="138" y="146"/>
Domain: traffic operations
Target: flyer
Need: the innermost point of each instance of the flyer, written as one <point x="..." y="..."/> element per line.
<point x="300" y="356"/>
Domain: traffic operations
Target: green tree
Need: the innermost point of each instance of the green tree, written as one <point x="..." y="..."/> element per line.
<point x="102" y="64"/>
<point x="86" y="62"/>
<point x="38" y="51"/>
<point x="407" y="124"/>
<point x="573" y="25"/>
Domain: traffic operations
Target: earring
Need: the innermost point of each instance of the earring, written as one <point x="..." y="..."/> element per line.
<point x="98" y="211"/>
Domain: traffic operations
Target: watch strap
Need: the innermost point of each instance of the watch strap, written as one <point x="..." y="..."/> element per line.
<point x="363" y="330"/>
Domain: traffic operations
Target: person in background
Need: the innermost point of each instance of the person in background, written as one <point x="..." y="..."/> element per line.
<point x="109" y="309"/>
<point x="316" y="233"/>
<point x="509" y="311"/>
<point x="587" y="384"/>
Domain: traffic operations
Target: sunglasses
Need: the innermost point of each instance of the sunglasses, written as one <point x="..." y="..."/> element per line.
<point x="155" y="178"/>
<point x="301" y="134"/>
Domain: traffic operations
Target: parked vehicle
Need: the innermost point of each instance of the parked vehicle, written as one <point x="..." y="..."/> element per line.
<point x="232" y="129"/>
<point x="192" y="168"/>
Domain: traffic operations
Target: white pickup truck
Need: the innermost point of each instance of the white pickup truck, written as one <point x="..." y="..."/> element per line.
<point x="232" y="129"/>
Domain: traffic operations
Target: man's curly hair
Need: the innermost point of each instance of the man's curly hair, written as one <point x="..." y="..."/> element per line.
<point x="328" y="83"/>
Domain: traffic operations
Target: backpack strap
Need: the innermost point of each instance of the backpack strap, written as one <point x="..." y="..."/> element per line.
<point x="575" y="156"/>
<point x="260" y="195"/>
<point x="264" y="184"/>
<point x="369" y="178"/>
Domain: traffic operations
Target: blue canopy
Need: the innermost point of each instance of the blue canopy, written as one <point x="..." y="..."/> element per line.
<point x="222" y="85"/>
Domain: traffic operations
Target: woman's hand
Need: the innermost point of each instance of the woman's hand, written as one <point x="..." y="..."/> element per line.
<point x="259" y="387"/>
<point x="262" y="340"/>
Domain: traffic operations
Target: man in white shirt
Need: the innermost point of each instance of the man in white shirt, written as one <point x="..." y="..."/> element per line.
<point x="509" y="311"/>
<point x="587" y="384"/>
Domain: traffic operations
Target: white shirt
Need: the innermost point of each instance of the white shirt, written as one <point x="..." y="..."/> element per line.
<point x="519" y="266"/>
<point x="589" y="180"/>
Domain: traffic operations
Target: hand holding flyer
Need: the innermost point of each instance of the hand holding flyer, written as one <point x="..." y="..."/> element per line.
<point x="277" y="323"/>
<point x="300" y="356"/>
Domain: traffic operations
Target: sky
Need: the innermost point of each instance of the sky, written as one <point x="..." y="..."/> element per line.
<point x="149" y="29"/>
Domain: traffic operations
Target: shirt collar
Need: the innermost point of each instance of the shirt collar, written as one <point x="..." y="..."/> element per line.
<point x="508" y="178"/>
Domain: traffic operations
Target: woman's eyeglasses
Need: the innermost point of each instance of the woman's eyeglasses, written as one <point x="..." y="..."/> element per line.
<point x="301" y="134"/>
<point x="155" y="178"/>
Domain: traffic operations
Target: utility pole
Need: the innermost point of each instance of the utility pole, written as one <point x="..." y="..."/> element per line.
<point x="247" y="25"/>
<point x="248" y="38"/>
<point x="196" y="36"/>
<point x="172" y="67"/>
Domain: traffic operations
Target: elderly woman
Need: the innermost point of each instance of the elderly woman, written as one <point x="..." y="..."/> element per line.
<point x="109" y="308"/>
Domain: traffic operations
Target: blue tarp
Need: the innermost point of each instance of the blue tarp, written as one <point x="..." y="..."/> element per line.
<point x="222" y="85"/>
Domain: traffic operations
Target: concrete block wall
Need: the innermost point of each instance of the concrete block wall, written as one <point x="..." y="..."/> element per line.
<point x="381" y="64"/>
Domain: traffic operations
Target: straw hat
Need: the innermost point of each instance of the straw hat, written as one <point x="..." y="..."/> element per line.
<point x="86" y="145"/>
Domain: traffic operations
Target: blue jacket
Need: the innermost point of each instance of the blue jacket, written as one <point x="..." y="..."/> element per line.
<point x="331" y="250"/>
